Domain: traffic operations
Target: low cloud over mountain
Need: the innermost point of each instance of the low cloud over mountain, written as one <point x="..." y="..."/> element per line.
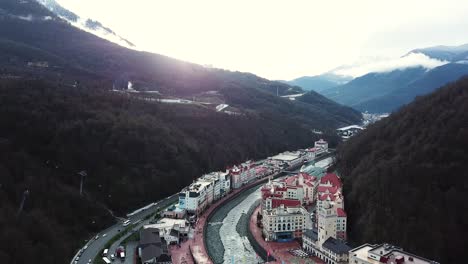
<point x="413" y="59"/>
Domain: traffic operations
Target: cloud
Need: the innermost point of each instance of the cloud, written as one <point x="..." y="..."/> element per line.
<point x="27" y="18"/>
<point x="387" y="65"/>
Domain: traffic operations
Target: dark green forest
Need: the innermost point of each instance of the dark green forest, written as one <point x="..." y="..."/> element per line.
<point x="406" y="177"/>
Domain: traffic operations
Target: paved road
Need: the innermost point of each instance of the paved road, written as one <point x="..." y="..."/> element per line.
<point x="94" y="247"/>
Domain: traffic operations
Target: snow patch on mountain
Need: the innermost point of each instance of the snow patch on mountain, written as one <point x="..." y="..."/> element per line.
<point x="86" y="24"/>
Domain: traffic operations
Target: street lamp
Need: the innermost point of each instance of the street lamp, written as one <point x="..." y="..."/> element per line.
<point x="25" y="195"/>
<point x="83" y="174"/>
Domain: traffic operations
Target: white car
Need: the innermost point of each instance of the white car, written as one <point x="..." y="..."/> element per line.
<point x="97" y="237"/>
<point x="89" y="261"/>
<point x="104" y="235"/>
<point x="85" y="247"/>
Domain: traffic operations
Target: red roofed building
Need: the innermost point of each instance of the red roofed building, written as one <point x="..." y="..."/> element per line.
<point x="271" y="203"/>
<point x="329" y="189"/>
<point x="331" y="179"/>
<point x="245" y="173"/>
<point x="301" y="187"/>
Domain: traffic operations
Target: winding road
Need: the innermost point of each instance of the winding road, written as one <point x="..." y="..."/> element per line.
<point x="94" y="247"/>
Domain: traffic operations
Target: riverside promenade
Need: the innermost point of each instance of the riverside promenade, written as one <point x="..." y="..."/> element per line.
<point x="193" y="250"/>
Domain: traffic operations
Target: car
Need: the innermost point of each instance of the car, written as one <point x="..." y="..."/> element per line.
<point x="85" y="247"/>
<point x="104" y="235"/>
<point x="77" y="258"/>
<point x="97" y="237"/>
<point x="112" y="257"/>
<point x="89" y="261"/>
<point x="75" y="262"/>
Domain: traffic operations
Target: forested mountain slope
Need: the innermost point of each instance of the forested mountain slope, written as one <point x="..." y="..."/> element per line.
<point x="406" y="177"/>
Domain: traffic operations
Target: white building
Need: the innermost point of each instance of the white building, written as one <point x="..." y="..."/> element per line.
<point x="284" y="223"/>
<point x="199" y="195"/>
<point x="194" y="197"/>
<point x="384" y="253"/>
<point x="221" y="183"/>
<point x="320" y="147"/>
<point x="291" y="159"/>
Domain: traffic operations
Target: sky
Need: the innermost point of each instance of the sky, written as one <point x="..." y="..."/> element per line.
<point x="283" y="40"/>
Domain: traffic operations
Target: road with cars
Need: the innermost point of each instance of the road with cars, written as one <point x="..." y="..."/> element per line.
<point x="95" y="246"/>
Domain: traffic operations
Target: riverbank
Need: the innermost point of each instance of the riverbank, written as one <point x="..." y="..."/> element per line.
<point x="196" y="245"/>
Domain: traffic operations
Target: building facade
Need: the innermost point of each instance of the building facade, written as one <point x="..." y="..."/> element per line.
<point x="204" y="191"/>
<point x="284" y="223"/>
<point x="327" y="240"/>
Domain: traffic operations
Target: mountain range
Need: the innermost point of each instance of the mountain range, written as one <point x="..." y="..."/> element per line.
<point x="379" y="92"/>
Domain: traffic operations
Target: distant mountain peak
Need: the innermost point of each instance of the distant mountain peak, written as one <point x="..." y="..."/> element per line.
<point x="446" y="53"/>
<point x="86" y="24"/>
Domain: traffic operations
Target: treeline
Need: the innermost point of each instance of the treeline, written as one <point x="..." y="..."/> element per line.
<point x="134" y="153"/>
<point x="406" y="177"/>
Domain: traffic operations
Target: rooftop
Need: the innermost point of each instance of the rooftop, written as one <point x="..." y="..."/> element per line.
<point x="340" y="212"/>
<point x="311" y="233"/>
<point x="287" y="211"/>
<point x="166" y="223"/>
<point x="286" y="202"/>
<point x="332" y="178"/>
<point x="388" y="254"/>
<point x="286" y="156"/>
<point x="153" y="247"/>
<point x="336" y="246"/>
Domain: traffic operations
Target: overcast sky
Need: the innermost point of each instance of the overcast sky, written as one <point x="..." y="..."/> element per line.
<point x="283" y="39"/>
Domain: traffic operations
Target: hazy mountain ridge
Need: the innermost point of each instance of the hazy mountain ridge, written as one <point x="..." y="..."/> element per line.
<point x="427" y="83"/>
<point x="319" y="83"/>
<point x="373" y="85"/>
<point x="380" y="92"/>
